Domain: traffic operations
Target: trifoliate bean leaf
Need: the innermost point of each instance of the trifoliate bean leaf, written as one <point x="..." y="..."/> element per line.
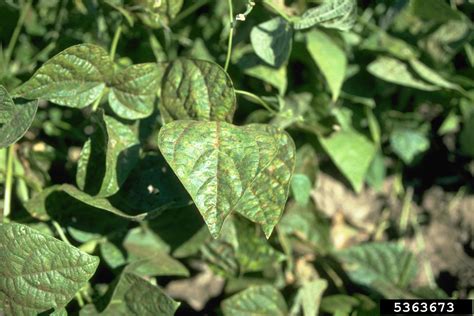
<point x="39" y="272"/>
<point x="197" y="90"/>
<point x="226" y="168"/>
<point x="337" y="14"/>
<point x="272" y="41"/>
<point x="262" y="300"/>
<point x="76" y="77"/>
<point x="15" y="119"/>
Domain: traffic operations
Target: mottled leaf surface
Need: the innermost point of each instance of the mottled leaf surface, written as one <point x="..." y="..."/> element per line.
<point x="15" y="119"/>
<point x="262" y="300"/>
<point x="253" y="251"/>
<point x="226" y="168"/>
<point x="337" y="14"/>
<point x="330" y="58"/>
<point x="39" y="272"/>
<point x="75" y="77"/>
<point x="387" y="267"/>
<point x="272" y="41"/>
<point x="107" y="157"/>
<point x="133" y="90"/>
<point x="134" y="296"/>
<point x="197" y="90"/>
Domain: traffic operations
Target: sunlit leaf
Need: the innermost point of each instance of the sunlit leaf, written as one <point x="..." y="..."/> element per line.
<point x="352" y="153"/>
<point x="434" y="10"/>
<point x="132" y="295"/>
<point x="387" y="267"/>
<point x="395" y="71"/>
<point x="39" y="272"/>
<point x="133" y="90"/>
<point x="272" y="41"/>
<point x="330" y="58"/>
<point x="337" y="14"/>
<point x="226" y="168"/>
<point x="407" y="144"/>
<point x="75" y="77"/>
<point x="262" y="300"/>
<point x="309" y="296"/>
<point x="197" y="90"/>
<point x="432" y="76"/>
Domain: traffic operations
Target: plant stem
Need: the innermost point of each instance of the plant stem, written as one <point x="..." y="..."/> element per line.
<point x="16" y="32"/>
<point x="188" y="11"/>
<point x="231" y="35"/>
<point x="113" y="47"/>
<point x="277" y="10"/>
<point x="8" y="183"/>
<point x="256" y="98"/>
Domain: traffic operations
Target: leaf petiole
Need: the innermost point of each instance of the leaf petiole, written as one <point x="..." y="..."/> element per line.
<point x="8" y="183"/>
<point x="256" y="98"/>
<point x="113" y="47"/>
<point x="231" y="35"/>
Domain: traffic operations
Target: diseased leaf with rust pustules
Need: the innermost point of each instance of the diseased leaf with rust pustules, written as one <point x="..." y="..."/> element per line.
<point x="133" y="90"/>
<point x="197" y="90"/>
<point x="76" y="77"/>
<point x="227" y="168"/>
<point x="39" y="272"/>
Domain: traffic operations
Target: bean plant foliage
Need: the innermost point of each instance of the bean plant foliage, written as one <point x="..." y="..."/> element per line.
<point x="164" y="157"/>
